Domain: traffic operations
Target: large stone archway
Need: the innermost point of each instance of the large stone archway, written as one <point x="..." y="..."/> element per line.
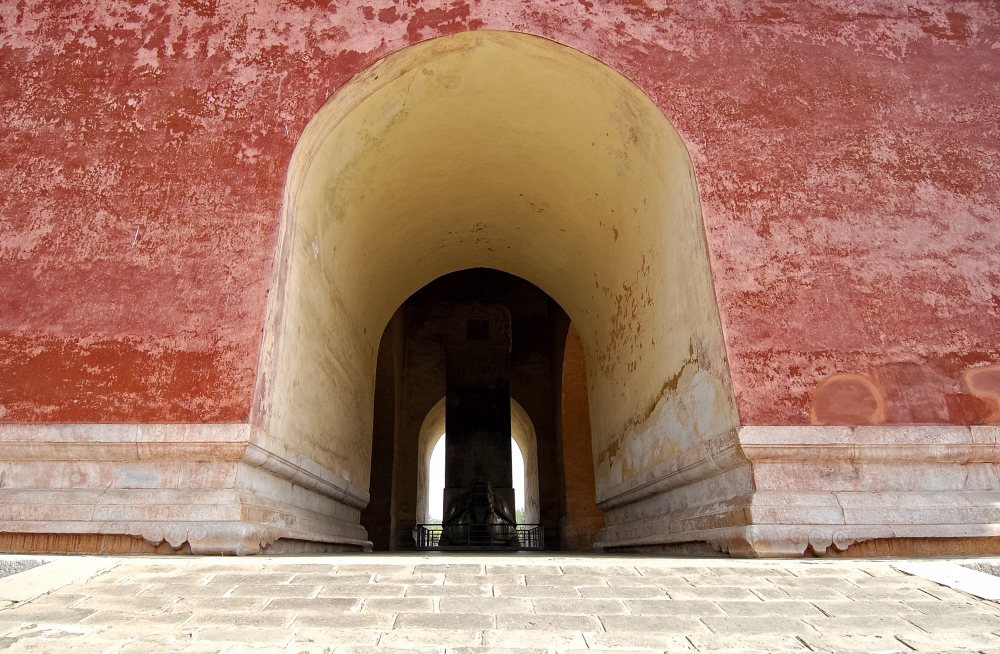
<point x="512" y="152"/>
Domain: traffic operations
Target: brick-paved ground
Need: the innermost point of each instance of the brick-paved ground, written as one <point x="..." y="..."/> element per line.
<point x="473" y="604"/>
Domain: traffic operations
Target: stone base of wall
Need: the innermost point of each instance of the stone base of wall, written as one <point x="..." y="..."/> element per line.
<point x="118" y="545"/>
<point x="754" y="492"/>
<point x="800" y="491"/>
<point x="578" y="533"/>
<point x="203" y="489"/>
<point x="112" y="544"/>
<point x="919" y="547"/>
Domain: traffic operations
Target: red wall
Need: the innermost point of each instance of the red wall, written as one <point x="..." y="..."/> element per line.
<point x="847" y="153"/>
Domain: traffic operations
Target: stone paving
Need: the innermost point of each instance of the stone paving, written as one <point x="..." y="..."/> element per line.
<point x="13" y="565"/>
<point x="482" y="604"/>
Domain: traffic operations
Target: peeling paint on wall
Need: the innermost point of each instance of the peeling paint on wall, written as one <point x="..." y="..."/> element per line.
<point x="692" y="408"/>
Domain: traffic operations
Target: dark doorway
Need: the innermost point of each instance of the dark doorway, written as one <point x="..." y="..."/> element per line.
<point x="410" y="381"/>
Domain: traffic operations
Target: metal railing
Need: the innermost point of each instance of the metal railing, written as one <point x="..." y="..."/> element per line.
<point x="480" y="537"/>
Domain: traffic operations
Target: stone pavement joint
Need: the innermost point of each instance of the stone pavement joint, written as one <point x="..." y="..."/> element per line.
<point x="468" y="604"/>
<point x="974" y="582"/>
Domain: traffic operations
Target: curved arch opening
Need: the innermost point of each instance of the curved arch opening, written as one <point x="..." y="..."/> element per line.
<point x="430" y="482"/>
<point x="411" y="414"/>
<point x="506" y="151"/>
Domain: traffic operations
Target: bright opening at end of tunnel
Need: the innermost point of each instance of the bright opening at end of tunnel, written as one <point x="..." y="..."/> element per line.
<point x="435" y="508"/>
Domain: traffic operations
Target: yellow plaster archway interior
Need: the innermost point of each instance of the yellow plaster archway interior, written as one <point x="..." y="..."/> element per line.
<point x="507" y="151"/>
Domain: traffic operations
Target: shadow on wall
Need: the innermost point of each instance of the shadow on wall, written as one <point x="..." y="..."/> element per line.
<point x="909" y="393"/>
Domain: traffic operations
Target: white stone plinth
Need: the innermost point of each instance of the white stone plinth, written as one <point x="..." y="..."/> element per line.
<point x="793" y="491"/>
<point x="218" y="488"/>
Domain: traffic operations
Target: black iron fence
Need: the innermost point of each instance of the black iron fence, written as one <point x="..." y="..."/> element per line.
<point x="480" y="537"/>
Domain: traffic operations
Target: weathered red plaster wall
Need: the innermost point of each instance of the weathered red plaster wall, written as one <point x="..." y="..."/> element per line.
<point x="847" y="153"/>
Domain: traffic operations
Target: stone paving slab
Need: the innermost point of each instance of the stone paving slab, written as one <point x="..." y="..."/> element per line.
<point x="11" y="564"/>
<point x="465" y="604"/>
<point x="982" y="583"/>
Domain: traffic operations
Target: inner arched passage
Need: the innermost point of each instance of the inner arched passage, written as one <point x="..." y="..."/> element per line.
<point x="511" y="152"/>
<point x="522" y="432"/>
<point x="409" y="413"/>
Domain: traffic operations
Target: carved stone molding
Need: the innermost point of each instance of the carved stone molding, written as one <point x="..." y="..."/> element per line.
<point x="903" y="444"/>
<point x="281" y="461"/>
<point x="220" y="488"/>
<point x="709" y="458"/>
<point x="808" y="490"/>
<point x="187" y="443"/>
<point x="204" y="538"/>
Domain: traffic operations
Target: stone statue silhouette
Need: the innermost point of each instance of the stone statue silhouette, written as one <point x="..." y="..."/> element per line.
<point x="479" y="518"/>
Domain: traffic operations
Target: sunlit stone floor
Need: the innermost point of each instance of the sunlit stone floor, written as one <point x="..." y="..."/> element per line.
<point x="470" y="603"/>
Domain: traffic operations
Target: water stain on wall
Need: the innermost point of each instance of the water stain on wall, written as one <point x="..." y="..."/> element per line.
<point x="908" y="393"/>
